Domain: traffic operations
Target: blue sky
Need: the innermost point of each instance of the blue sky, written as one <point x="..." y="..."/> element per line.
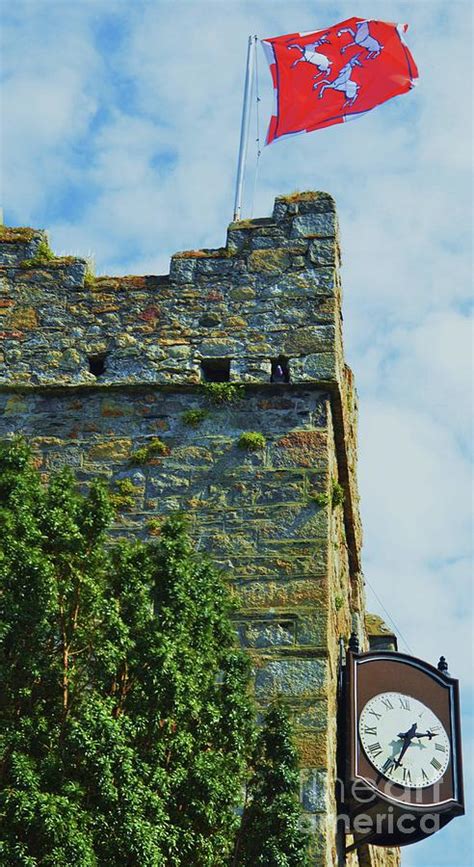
<point x="120" y="135"/>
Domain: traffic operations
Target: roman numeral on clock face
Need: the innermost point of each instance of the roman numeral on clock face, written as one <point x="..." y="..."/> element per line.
<point x="404" y="703"/>
<point x="375" y="750"/>
<point x="387" y="703"/>
<point x="423" y="775"/>
<point x="435" y="764"/>
<point x="406" y="775"/>
<point x="376" y="715"/>
<point x="369" y="730"/>
<point x="388" y="766"/>
<point x="440" y="747"/>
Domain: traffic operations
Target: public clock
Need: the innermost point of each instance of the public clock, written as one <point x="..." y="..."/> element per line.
<point x="403" y="772"/>
<point x="404" y="740"/>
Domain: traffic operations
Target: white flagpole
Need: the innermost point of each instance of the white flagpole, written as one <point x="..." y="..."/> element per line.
<point x="244" y="130"/>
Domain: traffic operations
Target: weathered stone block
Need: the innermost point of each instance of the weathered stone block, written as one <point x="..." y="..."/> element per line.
<point x="297" y="678"/>
<point x="323" y="252"/>
<point x="309" y="225"/>
<point x="312" y="628"/>
<point x="305" y="449"/>
<point x="283" y="594"/>
<point x="319" y="365"/>
<point x="267" y="633"/>
<point x="271" y="261"/>
<point x="182" y="270"/>
<point x="307" y="341"/>
<point x="111" y="450"/>
<point x="314" y="790"/>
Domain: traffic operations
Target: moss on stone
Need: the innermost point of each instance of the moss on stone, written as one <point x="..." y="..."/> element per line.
<point x="123" y="496"/>
<point x="114" y="450"/>
<point x="376" y="626"/>
<point x="252" y="441"/>
<point x="156" y="448"/>
<point x="194" y="417"/>
<point x="303" y="196"/>
<point x="271" y="261"/>
<point x="24" y="318"/>
<point x="17" y="234"/>
<point x="219" y="253"/>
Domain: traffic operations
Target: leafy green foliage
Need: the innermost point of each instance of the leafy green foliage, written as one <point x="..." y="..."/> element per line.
<point x="223" y="392"/>
<point x="194" y="417"/>
<point x="270" y="834"/>
<point x="124" y="718"/>
<point x="252" y="441"/>
<point x="334" y="498"/>
<point x="337" y="494"/>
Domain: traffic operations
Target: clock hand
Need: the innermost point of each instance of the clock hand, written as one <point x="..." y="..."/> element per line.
<point x="423" y="735"/>
<point x="407" y="739"/>
<point x="409" y="734"/>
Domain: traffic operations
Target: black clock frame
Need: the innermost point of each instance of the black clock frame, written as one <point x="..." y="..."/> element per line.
<point x="366" y="675"/>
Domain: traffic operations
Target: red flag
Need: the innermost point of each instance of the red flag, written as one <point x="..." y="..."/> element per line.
<point x="336" y="74"/>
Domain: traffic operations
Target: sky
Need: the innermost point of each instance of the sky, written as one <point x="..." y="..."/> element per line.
<point x="120" y="130"/>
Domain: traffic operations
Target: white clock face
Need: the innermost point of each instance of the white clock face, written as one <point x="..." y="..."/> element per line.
<point x="404" y="740"/>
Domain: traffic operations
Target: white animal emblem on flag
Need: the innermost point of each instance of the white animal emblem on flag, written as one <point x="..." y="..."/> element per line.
<point x="343" y="82"/>
<point x="309" y="55"/>
<point x="316" y="87"/>
<point x="362" y="39"/>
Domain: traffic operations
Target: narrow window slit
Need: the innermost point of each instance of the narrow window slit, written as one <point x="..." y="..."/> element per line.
<point x="97" y="364"/>
<point x="280" y="370"/>
<point x="215" y="369"/>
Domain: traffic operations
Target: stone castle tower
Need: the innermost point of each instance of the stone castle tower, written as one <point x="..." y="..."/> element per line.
<point x="106" y="375"/>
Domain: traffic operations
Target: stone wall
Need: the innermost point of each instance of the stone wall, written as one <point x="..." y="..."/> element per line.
<point x="105" y="375"/>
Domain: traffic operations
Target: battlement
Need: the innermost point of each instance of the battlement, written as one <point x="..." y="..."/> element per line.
<point x="271" y="292"/>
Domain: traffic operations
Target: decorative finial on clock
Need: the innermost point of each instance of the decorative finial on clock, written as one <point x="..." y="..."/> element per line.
<point x="354" y="643"/>
<point x="443" y="665"/>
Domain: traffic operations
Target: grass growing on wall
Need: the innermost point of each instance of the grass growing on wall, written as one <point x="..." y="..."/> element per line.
<point x="223" y="392"/>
